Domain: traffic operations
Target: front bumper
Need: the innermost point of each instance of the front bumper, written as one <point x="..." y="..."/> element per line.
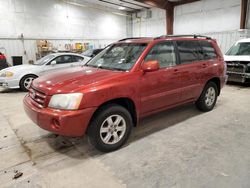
<point x="9" y="83"/>
<point x="238" y="76"/>
<point x="62" y="122"/>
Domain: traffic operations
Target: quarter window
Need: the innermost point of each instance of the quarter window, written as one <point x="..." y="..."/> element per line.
<point x="189" y="51"/>
<point x="63" y="59"/>
<point x="207" y="50"/>
<point x="77" y="59"/>
<point x="164" y="53"/>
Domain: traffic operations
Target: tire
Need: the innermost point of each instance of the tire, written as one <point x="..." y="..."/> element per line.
<point x="208" y="98"/>
<point x="104" y="133"/>
<point x="26" y="81"/>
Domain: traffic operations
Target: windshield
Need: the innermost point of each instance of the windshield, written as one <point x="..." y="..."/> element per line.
<point x="44" y="60"/>
<point x="239" y="49"/>
<point x="118" y="57"/>
<point x="88" y="53"/>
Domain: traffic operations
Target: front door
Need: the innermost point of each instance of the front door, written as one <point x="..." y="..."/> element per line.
<point x="160" y="89"/>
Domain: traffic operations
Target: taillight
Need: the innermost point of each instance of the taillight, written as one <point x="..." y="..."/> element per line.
<point x="2" y="57"/>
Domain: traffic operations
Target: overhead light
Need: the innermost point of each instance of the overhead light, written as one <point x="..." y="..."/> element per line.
<point x="121" y="8"/>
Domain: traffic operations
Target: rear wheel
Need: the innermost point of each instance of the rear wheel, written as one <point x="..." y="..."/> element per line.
<point x="208" y="98"/>
<point x="26" y="81"/>
<point x="110" y="128"/>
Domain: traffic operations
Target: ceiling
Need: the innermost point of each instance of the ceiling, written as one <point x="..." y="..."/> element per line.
<point x="132" y="5"/>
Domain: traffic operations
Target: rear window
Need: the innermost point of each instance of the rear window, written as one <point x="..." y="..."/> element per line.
<point x="191" y="51"/>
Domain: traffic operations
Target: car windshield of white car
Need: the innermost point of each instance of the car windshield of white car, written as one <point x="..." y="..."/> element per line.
<point x="239" y="49"/>
<point x="44" y="60"/>
<point x="118" y="56"/>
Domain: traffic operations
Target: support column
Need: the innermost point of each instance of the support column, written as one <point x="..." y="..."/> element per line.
<point x="170" y="20"/>
<point x="243" y="14"/>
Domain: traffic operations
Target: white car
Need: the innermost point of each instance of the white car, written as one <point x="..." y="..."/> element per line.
<point x="238" y="61"/>
<point x="22" y="76"/>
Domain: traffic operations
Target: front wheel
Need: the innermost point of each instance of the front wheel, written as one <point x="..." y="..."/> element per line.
<point x="208" y="98"/>
<point x="110" y="128"/>
<point x="26" y="81"/>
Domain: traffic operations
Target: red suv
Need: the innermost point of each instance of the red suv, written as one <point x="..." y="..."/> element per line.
<point x="128" y="80"/>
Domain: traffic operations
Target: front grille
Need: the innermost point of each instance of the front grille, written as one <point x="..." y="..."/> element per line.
<point x="38" y="97"/>
<point x="236" y="67"/>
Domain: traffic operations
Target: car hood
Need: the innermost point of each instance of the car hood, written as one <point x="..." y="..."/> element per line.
<point x="20" y="68"/>
<point x="73" y="79"/>
<point x="236" y="58"/>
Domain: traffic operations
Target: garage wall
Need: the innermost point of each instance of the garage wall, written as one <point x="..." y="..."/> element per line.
<point x="149" y="23"/>
<point x="207" y="16"/>
<point x="56" y="20"/>
<point x="218" y="19"/>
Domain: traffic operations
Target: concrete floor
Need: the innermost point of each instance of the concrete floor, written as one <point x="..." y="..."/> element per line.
<point x="177" y="148"/>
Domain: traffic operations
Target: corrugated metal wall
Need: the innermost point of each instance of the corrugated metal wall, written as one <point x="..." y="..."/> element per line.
<point x="17" y="47"/>
<point x="27" y="48"/>
<point x="227" y="38"/>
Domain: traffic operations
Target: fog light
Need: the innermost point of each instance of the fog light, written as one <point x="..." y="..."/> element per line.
<point x="5" y="84"/>
<point x="56" y="124"/>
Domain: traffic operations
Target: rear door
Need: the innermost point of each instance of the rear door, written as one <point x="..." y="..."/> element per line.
<point x="192" y="68"/>
<point x="160" y="89"/>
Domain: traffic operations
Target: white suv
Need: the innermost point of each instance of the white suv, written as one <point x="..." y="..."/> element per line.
<point x="238" y="61"/>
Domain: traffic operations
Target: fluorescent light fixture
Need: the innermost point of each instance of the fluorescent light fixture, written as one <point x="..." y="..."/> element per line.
<point x="121" y="8"/>
<point x="73" y="3"/>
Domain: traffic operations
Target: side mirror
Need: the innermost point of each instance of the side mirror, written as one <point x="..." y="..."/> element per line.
<point x="150" y="66"/>
<point x="53" y="62"/>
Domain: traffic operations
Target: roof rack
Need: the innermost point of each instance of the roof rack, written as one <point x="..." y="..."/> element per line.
<point x="132" y="38"/>
<point x="193" y="36"/>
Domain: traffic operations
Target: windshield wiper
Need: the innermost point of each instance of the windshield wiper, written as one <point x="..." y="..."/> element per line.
<point x="108" y="68"/>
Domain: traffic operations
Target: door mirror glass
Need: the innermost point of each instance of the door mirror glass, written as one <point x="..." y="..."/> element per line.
<point x="53" y="62"/>
<point x="150" y="66"/>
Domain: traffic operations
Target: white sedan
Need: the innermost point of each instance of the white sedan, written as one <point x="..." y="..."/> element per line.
<point x="22" y="76"/>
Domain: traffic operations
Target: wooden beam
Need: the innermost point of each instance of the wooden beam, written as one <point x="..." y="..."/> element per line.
<point x="243" y="14"/>
<point x="170" y="20"/>
<point x="162" y="4"/>
<point x="183" y="2"/>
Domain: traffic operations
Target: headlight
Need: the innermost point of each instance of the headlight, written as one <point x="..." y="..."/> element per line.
<point x="6" y="74"/>
<point x="66" y="101"/>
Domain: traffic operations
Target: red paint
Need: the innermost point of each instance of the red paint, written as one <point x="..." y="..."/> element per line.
<point x="150" y="91"/>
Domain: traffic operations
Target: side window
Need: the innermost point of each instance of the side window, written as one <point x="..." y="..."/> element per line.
<point x="189" y="51"/>
<point x="63" y="59"/>
<point x="77" y="59"/>
<point x="208" y="50"/>
<point x="164" y="53"/>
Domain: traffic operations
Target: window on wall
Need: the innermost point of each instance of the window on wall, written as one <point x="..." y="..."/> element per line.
<point x="189" y="51"/>
<point x="164" y="53"/>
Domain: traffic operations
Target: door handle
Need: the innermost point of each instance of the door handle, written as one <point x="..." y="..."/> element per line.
<point x="176" y="71"/>
<point x="204" y="65"/>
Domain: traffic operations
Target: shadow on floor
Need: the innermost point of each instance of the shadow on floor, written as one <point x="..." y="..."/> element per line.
<point x="238" y="84"/>
<point x="146" y="127"/>
<point x="11" y="91"/>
